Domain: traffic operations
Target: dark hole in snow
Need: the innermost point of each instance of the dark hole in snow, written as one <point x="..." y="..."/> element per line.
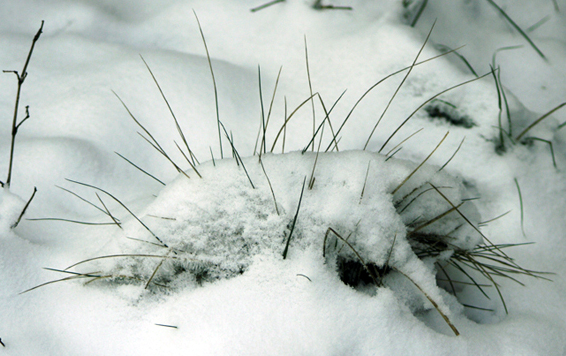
<point x="449" y="113"/>
<point x="354" y="274"/>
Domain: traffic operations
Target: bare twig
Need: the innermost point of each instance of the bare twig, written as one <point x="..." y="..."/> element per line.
<point x="15" y="125"/>
<point x="25" y="208"/>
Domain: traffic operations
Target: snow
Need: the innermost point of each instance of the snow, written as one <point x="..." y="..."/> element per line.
<point x="216" y="241"/>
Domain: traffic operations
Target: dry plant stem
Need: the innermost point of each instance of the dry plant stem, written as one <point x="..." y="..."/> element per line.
<point x="214" y="83"/>
<point x="462" y="58"/>
<point x="497" y="87"/>
<point x="261" y="7"/>
<point x="15" y="125"/>
<point x="365" y="182"/>
<point x="426" y="102"/>
<point x="173" y="326"/>
<point x="400" y="85"/>
<point x="379" y="82"/>
<point x="518" y="138"/>
<point x="179" y="130"/>
<point x="294" y="220"/>
<point x="517" y="28"/>
<point x="312" y="178"/>
<point x="24" y="209"/>
<point x="71" y="221"/>
<point x="420" y="165"/>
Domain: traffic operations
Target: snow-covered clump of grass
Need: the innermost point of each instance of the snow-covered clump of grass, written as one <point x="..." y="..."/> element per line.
<point x="372" y="218"/>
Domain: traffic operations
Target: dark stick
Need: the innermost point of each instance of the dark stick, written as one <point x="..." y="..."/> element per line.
<point x="15" y="125"/>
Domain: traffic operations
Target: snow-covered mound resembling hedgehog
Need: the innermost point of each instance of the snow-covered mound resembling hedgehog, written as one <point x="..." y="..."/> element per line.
<point x="356" y="207"/>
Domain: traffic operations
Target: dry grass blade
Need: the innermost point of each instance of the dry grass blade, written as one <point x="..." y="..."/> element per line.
<point x="214" y="84"/>
<point x="155" y="271"/>
<point x="326" y="119"/>
<point x="14" y="225"/>
<point x="289" y="118"/>
<point x="402" y="142"/>
<point x="71" y="221"/>
<point x="453" y="155"/>
<point x="179" y="130"/>
<point x="115" y="220"/>
<point x="379" y="82"/>
<point x="140" y="169"/>
<point x="123" y="205"/>
<point x="464" y="60"/>
<point x="270" y="186"/>
<point x="265" y="123"/>
<point x="434" y="304"/>
<point x="521" y="205"/>
<point x="261" y="7"/>
<point x="294" y="220"/>
<point x="400" y="85"/>
<point x="77" y="276"/>
<point x="518" y="138"/>
<point x="502" y="12"/>
<point x="310" y="90"/>
<point x="124" y="255"/>
<point x="426" y="102"/>
<point x="420" y="165"/>
<point x="435" y="219"/>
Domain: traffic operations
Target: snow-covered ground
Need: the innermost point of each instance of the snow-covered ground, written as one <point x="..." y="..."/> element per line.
<point x="222" y="285"/>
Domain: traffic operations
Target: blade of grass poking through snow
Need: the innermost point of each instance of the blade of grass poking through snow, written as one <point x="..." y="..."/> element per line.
<point x="237" y="155"/>
<point x="214" y="84"/>
<point x="468" y="220"/>
<point x="123" y="206"/>
<point x="155" y="271"/>
<point x="518" y="138"/>
<point x="140" y="169"/>
<point x="263" y="125"/>
<point x="151" y="140"/>
<point x="128" y="255"/>
<point x="284" y="128"/>
<point x="115" y="220"/>
<point x="270" y="186"/>
<point x="77" y="276"/>
<point x="294" y="220"/>
<point x="549" y="144"/>
<point x="289" y="118"/>
<point x="268" y="113"/>
<point x="442" y="47"/>
<point x="521" y="205"/>
<point x="379" y="82"/>
<point x="261" y="7"/>
<point x="179" y="130"/>
<point x="502" y="12"/>
<point x="434" y="304"/>
<point x="420" y="165"/>
<point x="310" y="90"/>
<point x="71" y="221"/>
<point x="326" y="119"/>
<point x="454" y="154"/>
<point x="484" y="223"/>
<point x="419" y="13"/>
<point x="365" y="182"/>
<point x="402" y="142"/>
<point x="400" y="85"/>
<point x="14" y="225"/>
<point x="426" y="102"/>
<point x="501" y="146"/>
<point x="312" y="178"/>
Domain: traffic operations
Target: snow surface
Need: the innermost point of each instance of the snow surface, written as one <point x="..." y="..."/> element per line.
<point x="231" y="292"/>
